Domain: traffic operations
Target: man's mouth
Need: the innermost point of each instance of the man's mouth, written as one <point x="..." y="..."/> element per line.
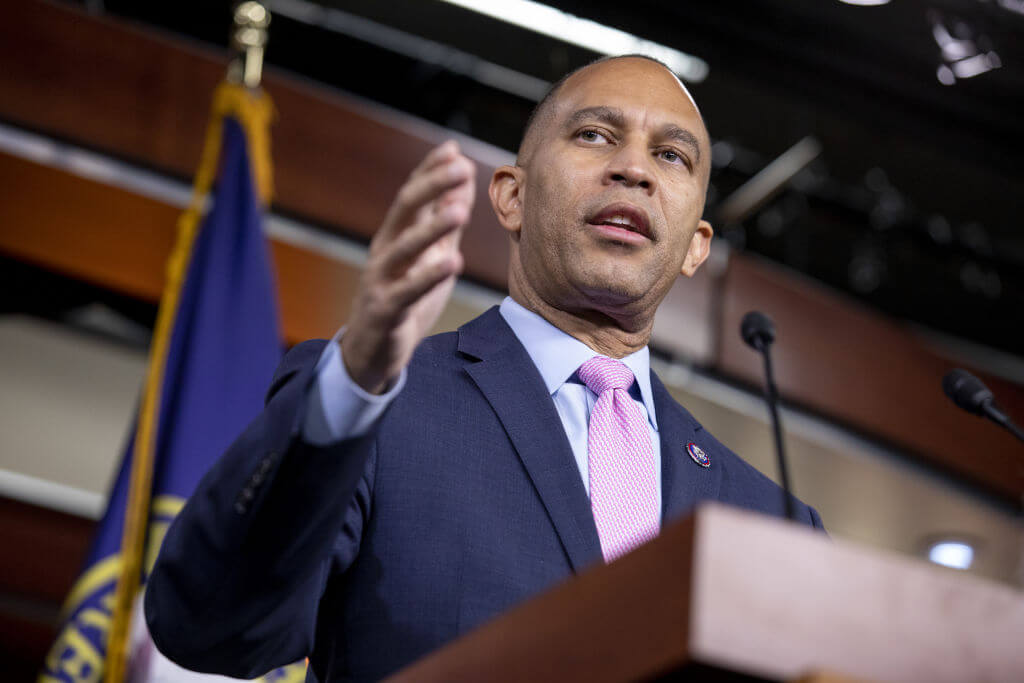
<point x="623" y="217"/>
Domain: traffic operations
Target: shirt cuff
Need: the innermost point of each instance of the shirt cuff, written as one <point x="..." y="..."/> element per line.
<point x="336" y="407"/>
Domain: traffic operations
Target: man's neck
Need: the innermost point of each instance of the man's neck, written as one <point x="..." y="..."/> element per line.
<point x="603" y="333"/>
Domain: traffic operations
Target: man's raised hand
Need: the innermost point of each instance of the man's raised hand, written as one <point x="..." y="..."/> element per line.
<point x="413" y="262"/>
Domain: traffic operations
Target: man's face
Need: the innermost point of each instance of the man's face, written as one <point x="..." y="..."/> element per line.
<point x="612" y="190"/>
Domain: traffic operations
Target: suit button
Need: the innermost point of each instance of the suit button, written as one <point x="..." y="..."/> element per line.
<point x="267" y="463"/>
<point x="240" y="507"/>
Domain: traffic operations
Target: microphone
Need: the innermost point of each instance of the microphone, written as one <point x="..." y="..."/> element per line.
<point x="758" y="331"/>
<point x="968" y="392"/>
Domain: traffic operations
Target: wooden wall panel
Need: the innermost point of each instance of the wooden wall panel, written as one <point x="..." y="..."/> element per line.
<point x="44" y="550"/>
<point x="685" y="323"/>
<point x="851" y="363"/>
<point x="85" y="229"/>
<point x="43" y="555"/>
<point x="315" y="293"/>
<point x="120" y="241"/>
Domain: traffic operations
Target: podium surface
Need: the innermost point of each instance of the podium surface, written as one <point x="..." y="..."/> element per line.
<point x="726" y="594"/>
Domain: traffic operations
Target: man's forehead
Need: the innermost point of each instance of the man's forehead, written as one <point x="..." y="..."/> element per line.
<point x="634" y="85"/>
<point x="627" y="83"/>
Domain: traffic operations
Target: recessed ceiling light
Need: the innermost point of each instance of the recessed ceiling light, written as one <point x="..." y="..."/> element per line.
<point x="585" y="33"/>
<point x="955" y="554"/>
<point x="865" y="3"/>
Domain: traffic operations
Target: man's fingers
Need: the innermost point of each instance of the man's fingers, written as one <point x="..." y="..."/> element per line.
<point x="443" y="153"/>
<point x="423" y="276"/>
<point x="424" y="188"/>
<point x="416" y="239"/>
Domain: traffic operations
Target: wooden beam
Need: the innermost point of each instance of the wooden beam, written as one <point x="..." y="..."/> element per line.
<point x="120" y="241"/>
<point x="43" y="555"/>
<point x="841" y="359"/>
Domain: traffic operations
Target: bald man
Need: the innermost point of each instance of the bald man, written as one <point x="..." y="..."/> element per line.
<point x="398" y="491"/>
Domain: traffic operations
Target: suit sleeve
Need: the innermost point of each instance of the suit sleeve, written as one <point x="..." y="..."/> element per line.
<point x="241" y="570"/>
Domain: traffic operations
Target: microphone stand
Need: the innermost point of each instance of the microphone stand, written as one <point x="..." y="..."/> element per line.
<point x="758" y="332"/>
<point x="772" y="397"/>
<point x="1000" y="418"/>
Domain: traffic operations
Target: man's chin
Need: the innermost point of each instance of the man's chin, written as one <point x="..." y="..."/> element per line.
<point x="615" y="292"/>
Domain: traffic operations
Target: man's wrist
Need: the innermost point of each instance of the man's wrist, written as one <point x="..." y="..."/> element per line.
<point x="358" y="370"/>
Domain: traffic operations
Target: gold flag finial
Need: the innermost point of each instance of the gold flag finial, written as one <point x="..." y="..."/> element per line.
<point x="249" y="37"/>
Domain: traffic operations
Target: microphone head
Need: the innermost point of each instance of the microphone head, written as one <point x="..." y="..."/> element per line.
<point x="966" y="391"/>
<point x="757" y="330"/>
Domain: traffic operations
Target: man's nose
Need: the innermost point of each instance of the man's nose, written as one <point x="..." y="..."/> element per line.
<point x="631" y="166"/>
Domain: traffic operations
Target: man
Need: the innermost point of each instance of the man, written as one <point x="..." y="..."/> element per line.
<point x="396" y="491"/>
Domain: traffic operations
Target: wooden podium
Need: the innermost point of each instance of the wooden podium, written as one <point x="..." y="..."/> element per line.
<point x="729" y="595"/>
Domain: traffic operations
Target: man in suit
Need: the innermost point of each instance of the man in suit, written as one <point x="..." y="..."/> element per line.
<point x="397" y="491"/>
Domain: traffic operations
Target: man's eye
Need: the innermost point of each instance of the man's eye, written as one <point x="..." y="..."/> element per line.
<point x="590" y="136"/>
<point x="672" y="156"/>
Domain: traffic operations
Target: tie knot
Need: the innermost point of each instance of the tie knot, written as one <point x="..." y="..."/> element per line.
<point x="601" y="374"/>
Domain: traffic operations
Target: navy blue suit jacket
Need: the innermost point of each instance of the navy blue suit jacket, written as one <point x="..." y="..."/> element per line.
<point x="367" y="554"/>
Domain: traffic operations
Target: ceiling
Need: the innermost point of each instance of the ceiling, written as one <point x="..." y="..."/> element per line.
<point x="912" y="203"/>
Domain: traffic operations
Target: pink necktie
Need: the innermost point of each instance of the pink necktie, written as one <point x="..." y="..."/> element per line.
<point x="623" y="494"/>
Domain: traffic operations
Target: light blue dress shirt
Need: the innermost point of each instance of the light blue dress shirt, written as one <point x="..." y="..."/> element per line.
<point x="339" y="408"/>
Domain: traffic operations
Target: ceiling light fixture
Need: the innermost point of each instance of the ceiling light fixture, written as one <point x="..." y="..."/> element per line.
<point x="964" y="56"/>
<point x="585" y="33"/>
<point x="413" y="46"/>
<point x="954" y="554"/>
<point x="865" y="3"/>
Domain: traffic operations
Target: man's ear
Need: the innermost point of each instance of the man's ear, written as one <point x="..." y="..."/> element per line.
<point x="700" y="247"/>
<point x="505" y="192"/>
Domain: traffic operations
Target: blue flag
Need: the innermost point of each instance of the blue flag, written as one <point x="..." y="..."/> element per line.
<point x="213" y="354"/>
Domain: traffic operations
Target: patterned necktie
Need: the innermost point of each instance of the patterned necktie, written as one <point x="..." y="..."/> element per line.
<point x="623" y="493"/>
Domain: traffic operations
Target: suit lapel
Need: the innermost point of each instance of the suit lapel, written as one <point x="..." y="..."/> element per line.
<point x="683" y="481"/>
<point x="510" y="382"/>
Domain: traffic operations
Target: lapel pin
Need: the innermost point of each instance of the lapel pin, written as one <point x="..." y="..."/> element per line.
<point x="698" y="454"/>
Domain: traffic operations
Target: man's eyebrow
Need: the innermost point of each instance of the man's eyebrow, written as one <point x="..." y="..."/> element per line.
<point x="609" y="115"/>
<point x="683" y="137"/>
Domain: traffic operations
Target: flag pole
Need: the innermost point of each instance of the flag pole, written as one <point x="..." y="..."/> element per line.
<point x="249" y="37"/>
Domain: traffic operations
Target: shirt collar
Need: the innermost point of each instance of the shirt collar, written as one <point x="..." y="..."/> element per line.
<point x="558" y="355"/>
